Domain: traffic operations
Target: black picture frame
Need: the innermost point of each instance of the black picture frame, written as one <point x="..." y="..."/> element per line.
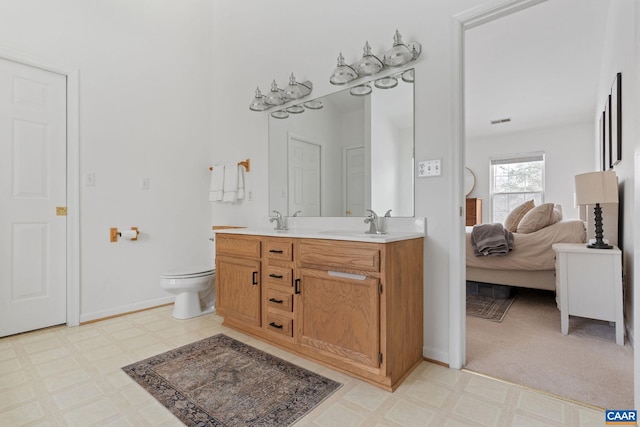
<point x="607" y="134"/>
<point x="616" y="121"/>
<point x="603" y="148"/>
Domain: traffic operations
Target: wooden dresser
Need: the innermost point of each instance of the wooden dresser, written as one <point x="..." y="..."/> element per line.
<point x="474" y="211"/>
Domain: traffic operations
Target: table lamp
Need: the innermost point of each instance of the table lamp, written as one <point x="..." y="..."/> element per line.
<point x="594" y="188"/>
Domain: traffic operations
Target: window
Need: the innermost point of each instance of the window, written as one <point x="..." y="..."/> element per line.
<point x="514" y="180"/>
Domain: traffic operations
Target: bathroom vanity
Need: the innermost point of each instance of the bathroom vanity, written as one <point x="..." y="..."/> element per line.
<point x="350" y="301"/>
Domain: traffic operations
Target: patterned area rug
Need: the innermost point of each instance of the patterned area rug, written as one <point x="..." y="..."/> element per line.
<point x="489" y="308"/>
<point x="219" y="381"/>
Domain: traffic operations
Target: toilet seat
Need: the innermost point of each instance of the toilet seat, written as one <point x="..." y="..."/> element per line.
<point x="187" y="273"/>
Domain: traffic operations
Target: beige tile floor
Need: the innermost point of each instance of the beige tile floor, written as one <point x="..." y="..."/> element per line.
<point x="71" y="377"/>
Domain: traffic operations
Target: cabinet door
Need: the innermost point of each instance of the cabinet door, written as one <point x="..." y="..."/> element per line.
<point x="340" y="316"/>
<point x="238" y="289"/>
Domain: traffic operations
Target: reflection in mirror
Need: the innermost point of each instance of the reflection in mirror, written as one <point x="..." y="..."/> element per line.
<point x="354" y="154"/>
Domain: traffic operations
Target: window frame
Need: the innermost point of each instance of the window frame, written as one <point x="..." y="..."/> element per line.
<point x="535" y="156"/>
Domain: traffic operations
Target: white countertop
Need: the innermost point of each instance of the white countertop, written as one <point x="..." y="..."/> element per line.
<point x="355" y="235"/>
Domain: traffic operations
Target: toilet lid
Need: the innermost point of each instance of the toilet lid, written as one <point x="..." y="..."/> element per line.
<point x="189" y="272"/>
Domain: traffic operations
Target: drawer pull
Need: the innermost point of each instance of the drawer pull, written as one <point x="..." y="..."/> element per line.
<point x="277" y="301"/>
<point x="276" y="276"/>
<point x="254" y="278"/>
<point x="275" y="251"/>
<point x="275" y="325"/>
<point x="297" y="286"/>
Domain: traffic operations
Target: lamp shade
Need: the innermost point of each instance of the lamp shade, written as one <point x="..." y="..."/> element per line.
<point x="596" y="187"/>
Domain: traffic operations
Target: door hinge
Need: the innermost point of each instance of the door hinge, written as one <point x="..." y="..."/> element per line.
<point x="379" y="358"/>
<point x="61" y="210"/>
<point x="380" y="288"/>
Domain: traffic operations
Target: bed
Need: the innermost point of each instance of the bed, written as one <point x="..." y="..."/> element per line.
<point x="531" y="263"/>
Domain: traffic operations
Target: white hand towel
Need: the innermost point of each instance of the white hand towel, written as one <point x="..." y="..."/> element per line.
<point x="217" y="183"/>
<point x="240" y="182"/>
<point x="230" y="183"/>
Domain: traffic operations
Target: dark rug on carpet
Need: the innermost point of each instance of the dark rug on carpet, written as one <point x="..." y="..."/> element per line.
<point x="219" y="381"/>
<point x="489" y="308"/>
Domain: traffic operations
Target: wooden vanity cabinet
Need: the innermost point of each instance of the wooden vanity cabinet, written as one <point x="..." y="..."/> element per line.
<point x="238" y="279"/>
<point x="354" y="306"/>
<point x="278" y="300"/>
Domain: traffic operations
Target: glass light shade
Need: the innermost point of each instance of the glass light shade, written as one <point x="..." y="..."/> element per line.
<point x="295" y="109"/>
<point x="369" y="64"/>
<point x="258" y="103"/>
<point x="386" y="82"/>
<point x="274" y="97"/>
<point x="409" y="76"/>
<point x="361" y="90"/>
<point x="293" y="90"/>
<point x="314" y="104"/>
<point x="343" y="73"/>
<point x="280" y="114"/>
<point x="399" y="54"/>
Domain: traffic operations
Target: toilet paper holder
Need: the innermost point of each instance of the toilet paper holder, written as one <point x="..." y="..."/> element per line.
<point x="114" y="234"/>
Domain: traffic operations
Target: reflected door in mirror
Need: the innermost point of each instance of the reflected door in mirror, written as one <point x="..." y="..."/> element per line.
<point x="304" y="177"/>
<point x="355" y="186"/>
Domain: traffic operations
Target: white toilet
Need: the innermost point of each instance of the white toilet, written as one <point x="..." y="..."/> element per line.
<point x="194" y="289"/>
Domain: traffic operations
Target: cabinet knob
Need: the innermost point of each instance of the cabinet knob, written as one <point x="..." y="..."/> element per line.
<point x="277" y="301"/>
<point x="254" y="278"/>
<point x="275" y="325"/>
<point x="296" y="286"/>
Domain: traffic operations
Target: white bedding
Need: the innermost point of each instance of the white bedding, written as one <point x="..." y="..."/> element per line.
<point x="530" y="251"/>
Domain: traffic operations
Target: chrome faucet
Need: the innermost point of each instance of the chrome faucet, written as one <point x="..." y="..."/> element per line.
<point x="372" y="220"/>
<point x="296" y="213"/>
<point x="388" y="214"/>
<point x="279" y="221"/>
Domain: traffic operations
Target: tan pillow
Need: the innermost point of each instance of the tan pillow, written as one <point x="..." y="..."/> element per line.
<point x="515" y="216"/>
<point x="557" y="212"/>
<point x="537" y="218"/>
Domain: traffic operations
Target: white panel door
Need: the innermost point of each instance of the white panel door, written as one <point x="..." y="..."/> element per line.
<point x="304" y="177"/>
<point x="32" y="184"/>
<point x="354" y="181"/>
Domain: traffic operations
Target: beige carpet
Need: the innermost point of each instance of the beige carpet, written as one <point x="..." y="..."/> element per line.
<point x="528" y="348"/>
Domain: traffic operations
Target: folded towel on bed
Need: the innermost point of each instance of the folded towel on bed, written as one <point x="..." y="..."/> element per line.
<point x="491" y="240"/>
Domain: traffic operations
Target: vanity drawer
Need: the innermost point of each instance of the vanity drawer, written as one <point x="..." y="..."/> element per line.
<point x="280" y="250"/>
<point x="278" y="275"/>
<point x="345" y="256"/>
<point x="238" y="245"/>
<point x="280" y="324"/>
<point x="279" y="300"/>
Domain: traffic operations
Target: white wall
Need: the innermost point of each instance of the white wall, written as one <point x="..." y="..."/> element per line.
<point x="145" y="74"/>
<point x="568" y="151"/>
<point x="618" y="56"/>
<point x="307" y="42"/>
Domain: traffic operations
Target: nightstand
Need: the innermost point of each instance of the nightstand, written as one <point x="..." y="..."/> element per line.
<point x="589" y="284"/>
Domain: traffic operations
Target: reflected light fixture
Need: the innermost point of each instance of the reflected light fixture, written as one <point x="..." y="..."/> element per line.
<point x="594" y="188"/>
<point x="361" y="90"/>
<point x="387" y="82"/>
<point x="314" y="104"/>
<point x="280" y="114"/>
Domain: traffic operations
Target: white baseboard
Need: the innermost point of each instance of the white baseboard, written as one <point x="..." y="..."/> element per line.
<point x="434" y="354"/>
<point x="89" y="317"/>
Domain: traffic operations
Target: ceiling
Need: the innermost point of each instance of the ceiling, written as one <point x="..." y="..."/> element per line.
<point x="539" y="67"/>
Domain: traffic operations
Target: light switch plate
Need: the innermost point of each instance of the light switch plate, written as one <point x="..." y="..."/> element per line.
<point x="429" y="168"/>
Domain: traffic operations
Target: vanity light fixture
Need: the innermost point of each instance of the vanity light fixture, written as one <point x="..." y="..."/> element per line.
<point x="314" y="104"/>
<point x="276" y="96"/>
<point x="343" y="73"/>
<point x="400" y="54"/>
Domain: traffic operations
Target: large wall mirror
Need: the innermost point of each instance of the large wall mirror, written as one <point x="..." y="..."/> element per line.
<point x="355" y="153"/>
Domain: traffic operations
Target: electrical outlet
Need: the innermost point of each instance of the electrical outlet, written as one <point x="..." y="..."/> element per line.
<point x="428" y="168"/>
